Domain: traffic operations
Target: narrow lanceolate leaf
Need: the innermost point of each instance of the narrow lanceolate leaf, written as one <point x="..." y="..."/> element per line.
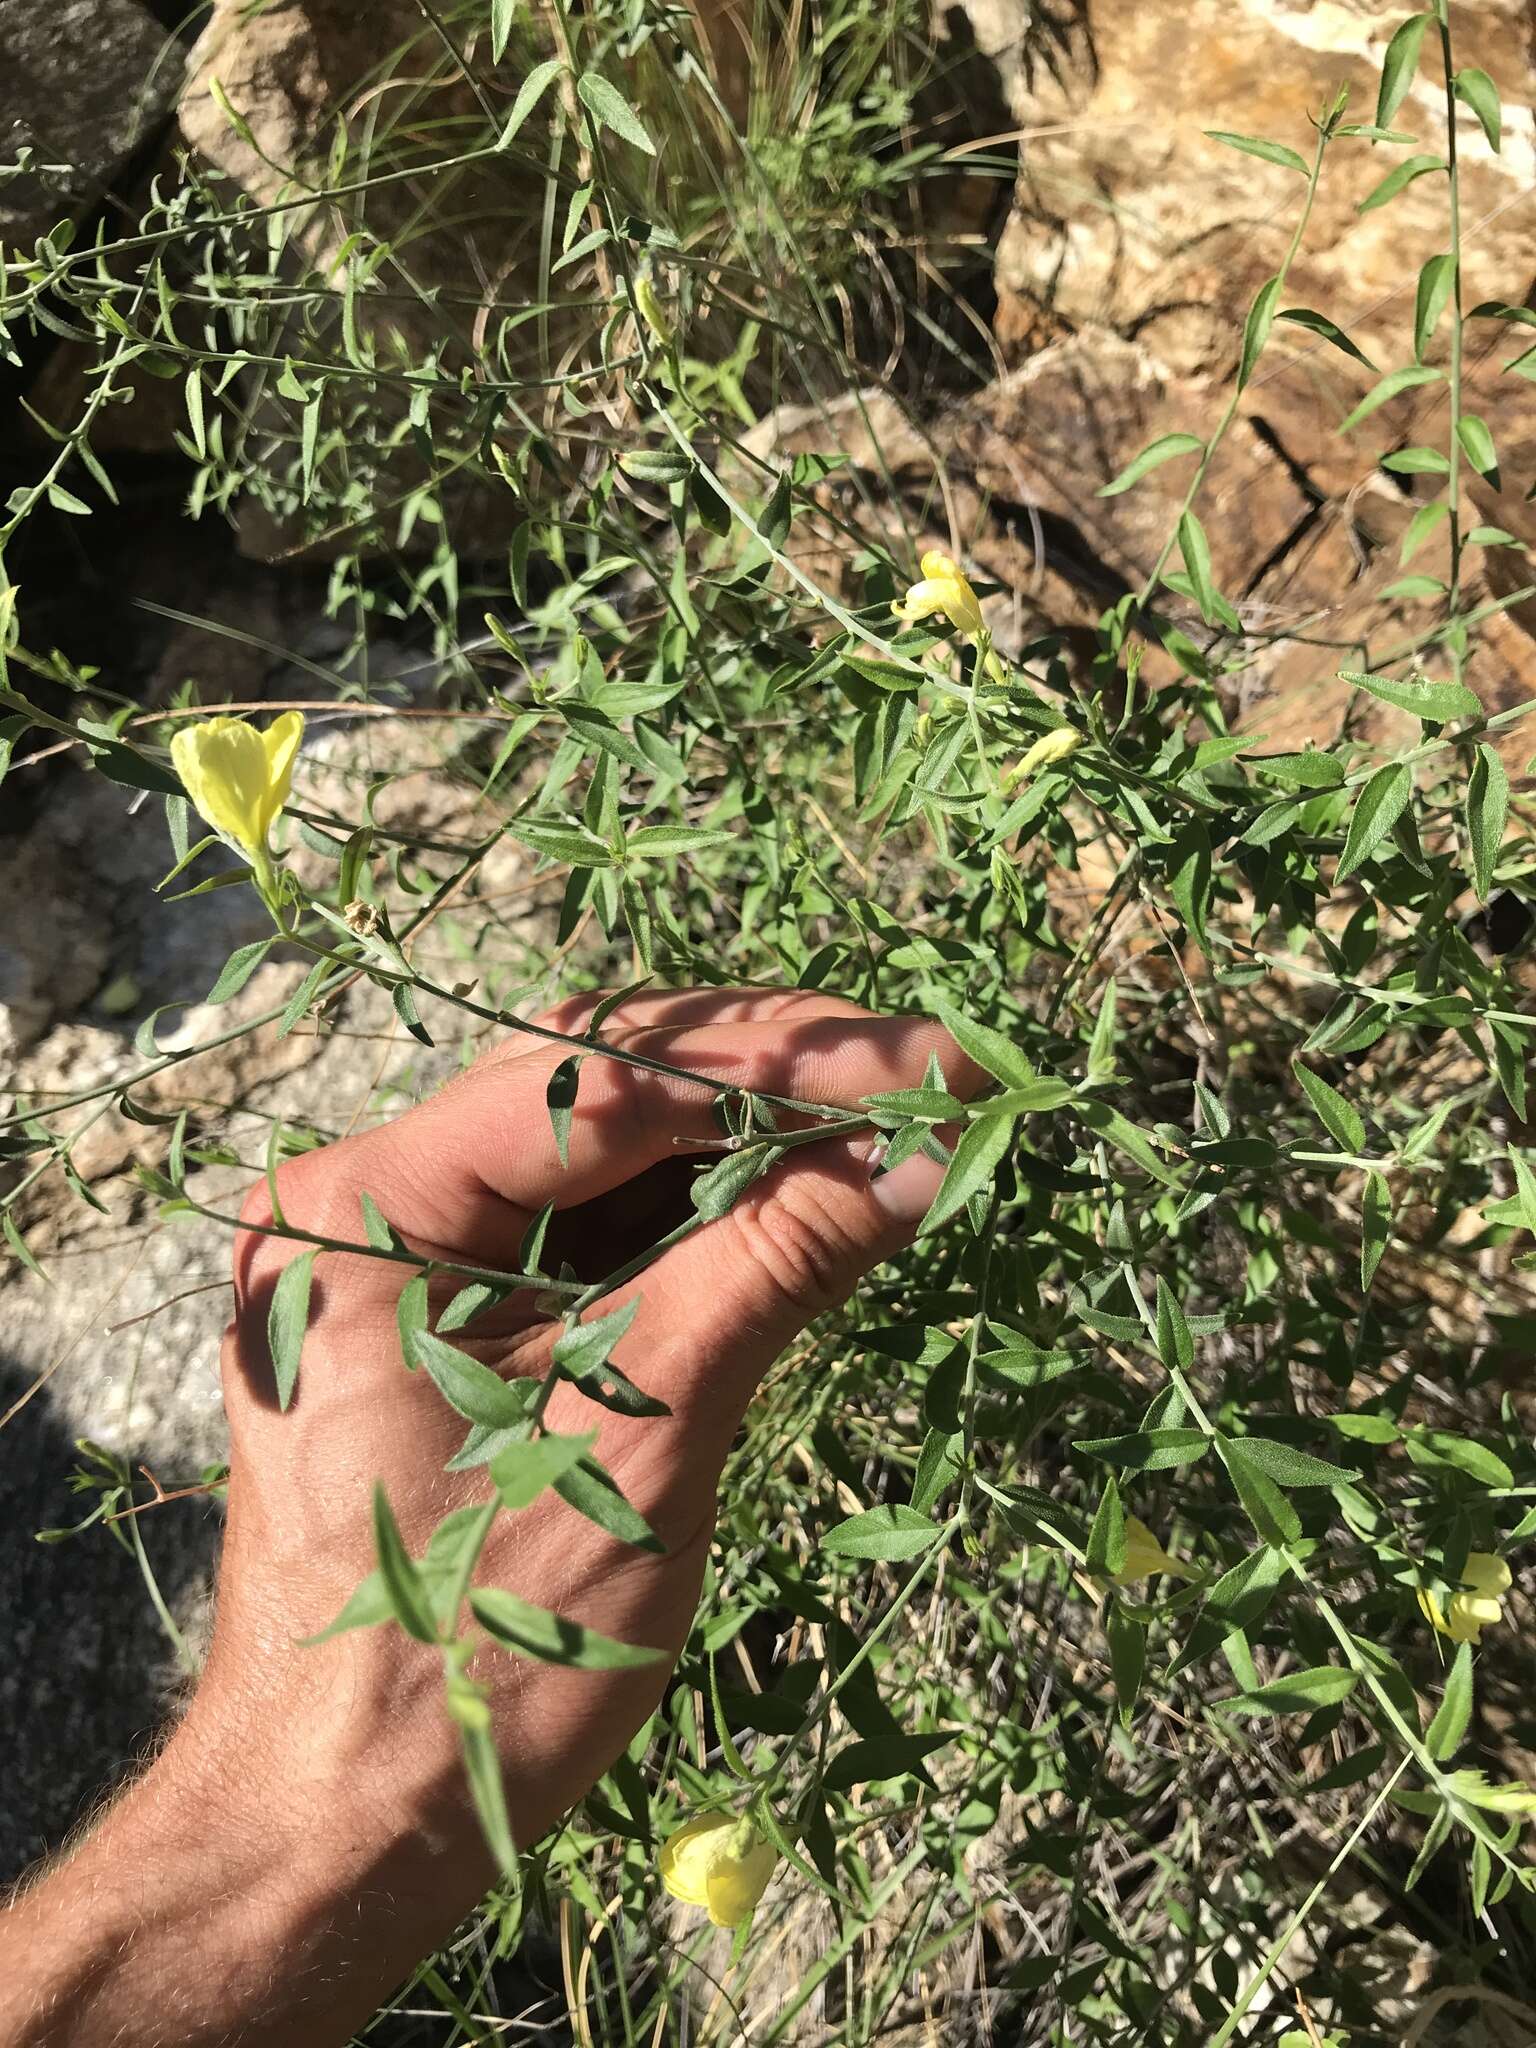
<point x="1443" y="1736"/>
<point x="1196" y="550"/>
<point x="988" y="1048"/>
<point x="1256" y="145"/>
<point x="585" y="1356"/>
<point x="1375" y="1226"/>
<point x="529" y="94"/>
<point x="1476" y="440"/>
<point x="402" y="1581"/>
<point x="1274" y="1519"/>
<point x="1299" y="1692"/>
<point x="1381" y="803"/>
<point x="1487" y="810"/>
<point x="1289" y="1467"/>
<point x="1422" y="695"/>
<point x="522" y="1471"/>
<point x="1175" y="1340"/>
<point x="1398" y="66"/>
<point x="588" y="1488"/>
<point x="287" y="1320"/>
<point x="1329" y="330"/>
<point x="1261" y="317"/>
<point x="1477" y="90"/>
<point x="1395" y="180"/>
<point x="1342" y="1123"/>
<point x="411" y="1313"/>
<point x="560" y="1101"/>
<point x="888" y="1533"/>
<point x="981" y="1150"/>
<point x="1435" y="281"/>
<point x="502" y="12"/>
<point x="612" y="110"/>
<point x="1396" y="382"/>
<point x="477" y="1393"/>
<point x="1157" y="452"/>
<point x="1106" y="1539"/>
<point x="533" y="1632"/>
<point x="482" y="1768"/>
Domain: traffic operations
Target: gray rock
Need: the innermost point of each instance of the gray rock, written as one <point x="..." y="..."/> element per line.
<point x="85" y="82"/>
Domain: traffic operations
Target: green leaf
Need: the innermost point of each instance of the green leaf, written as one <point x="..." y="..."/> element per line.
<point x="610" y="107"/>
<point x="1487" y="810"/>
<point x="287" y="1320"/>
<point x="655" y="842"/>
<point x="715" y="1193"/>
<point x="1478" y="91"/>
<point x="19" y="1246"/>
<point x="1324" y="1685"/>
<point x="1261" y="317"/>
<point x="1147" y="1450"/>
<point x="1127" y="1659"/>
<point x="404" y="1000"/>
<point x="1379" y="806"/>
<point x="1342" y="1122"/>
<point x="401" y="1580"/>
<point x="411" y="1314"/>
<point x="1309" y="769"/>
<point x="523" y="1471"/>
<point x="584" y="1355"/>
<point x="1190" y="878"/>
<point x="238" y="969"/>
<point x="1418" y="462"/>
<point x="1395" y="180"/>
<point x="472" y="1389"/>
<point x="1424" y="697"/>
<point x="560" y="1101"/>
<point x="377" y="1228"/>
<point x="482" y="1767"/>
<point x="529" y="93"/>
<point x="572" y="844"/>
<point x="1444" y="1448"/>
<point x="988" y="1048"/>
<point x="1391" y="386"/>
<point x="982" y="1147"/>
<point x="1436" y="280"/>
<point x="1287" y="1466"/>
<point x="1157" y="452"/>
<point x="367" y="1607"/>
<point x="1320" y="324"/>
<point x="1477" y="444"/>
<point x="591" y="1491"/>
<point x="880" y="1757"/>
<point x="1420" y="527"/>
<point x="887" y="1533"/>
<point x="1175" y="1340"/>
<point x="1375" y="1226"/>
<point x="1255" y="145"/>
<point x="1443" y="1736"/>
<point x="533" y="1632"/>
<point x="1398" y="66"/>
<point x="1106" y="1539"/>
<point x="503" y="13"/>
<point x="1265" y="1505"/>
<point x="1196" y="550"/>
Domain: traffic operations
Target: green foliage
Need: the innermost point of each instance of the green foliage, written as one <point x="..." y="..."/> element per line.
<point x="1233" y="1115"/>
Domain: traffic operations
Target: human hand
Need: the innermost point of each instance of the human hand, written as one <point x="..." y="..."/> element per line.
<point x="329" y="1772"/>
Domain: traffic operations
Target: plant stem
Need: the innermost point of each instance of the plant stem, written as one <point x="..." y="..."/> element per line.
<point x="1456" y="639"/>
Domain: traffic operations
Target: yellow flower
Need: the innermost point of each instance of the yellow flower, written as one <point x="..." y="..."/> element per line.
<point x="1144" y="1555"/>
<point x="236" y="776"/>
<point x="943" y="589"/>
<point x="1051" y="746"/>
<point x="720" y="1863"/>
<point x="1469" y="1613"/>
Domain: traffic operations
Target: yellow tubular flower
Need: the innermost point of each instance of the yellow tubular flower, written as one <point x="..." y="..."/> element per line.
<point x="1051" y="746"/>
<point x="1144" y="1555"/>
<point x="1470" y="1612"/>
<point x="237" y="777"/>
<point x="943" y="589"/>
<point x="720" y="1863"/>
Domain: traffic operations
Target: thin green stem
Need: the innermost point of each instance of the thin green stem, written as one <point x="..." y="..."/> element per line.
<point x="1456" y="638"/>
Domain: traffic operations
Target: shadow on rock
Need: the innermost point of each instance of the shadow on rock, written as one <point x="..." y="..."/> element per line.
<point x="89" y="1673"/>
